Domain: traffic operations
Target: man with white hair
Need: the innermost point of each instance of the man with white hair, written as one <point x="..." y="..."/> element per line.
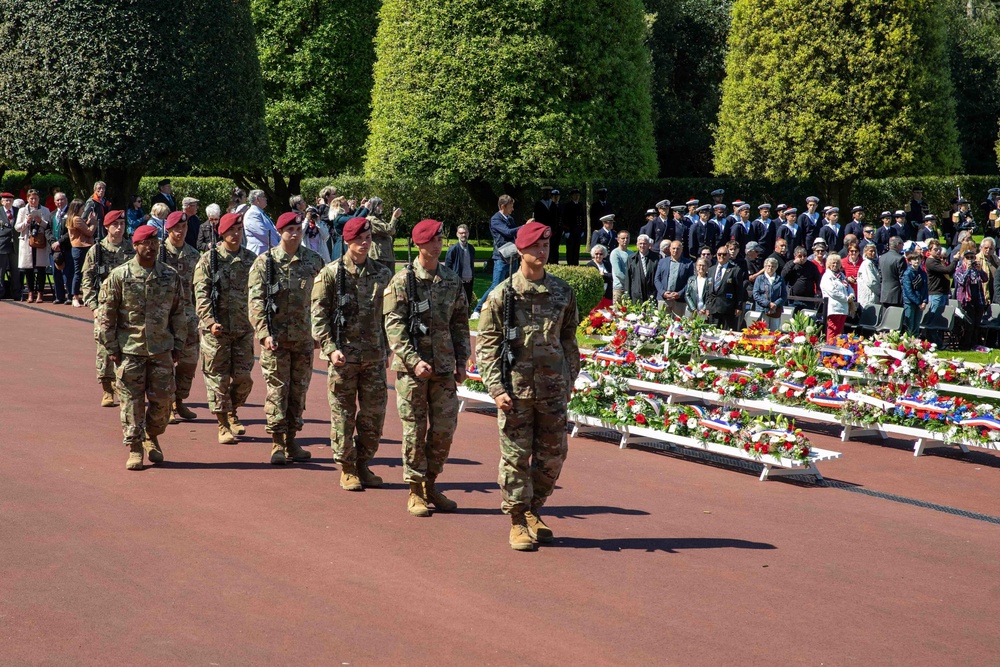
<point x="214" y="213"/>
<point x="257" y="226"/>
<point x="640" y="271"/>
<point x="672" y="274"/>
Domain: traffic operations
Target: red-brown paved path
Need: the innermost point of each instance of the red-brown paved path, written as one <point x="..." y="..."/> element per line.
<point x="216" y="558"/>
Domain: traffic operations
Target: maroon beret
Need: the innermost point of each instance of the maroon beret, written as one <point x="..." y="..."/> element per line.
<point x="227" y="221"/>
<point x="531" y="233"/>
<point x="290" y="218"/>
<point x="425" y="231"/>
<point x="355" y="227"/>
<point x="175" y="219"/>
<point x="144" y="233"/>
<point x="111" y="216"/>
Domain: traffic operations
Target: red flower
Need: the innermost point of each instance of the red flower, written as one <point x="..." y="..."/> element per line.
<point x="726" y="439"/>
<point x="813" y="340"/>
<point x="682" y="418"/>
<point x="640" y="418"/>
<point x="810" y="381"/>
<point x="790" y="393"/>
<point x="769" y="375"/>
<point x="746" y="447"/>
<point x="788" y="446"/>
<point x="630" y="358"/>
<point x="735" y="414"/>
<point x="805" y="451"/>
<point x="631" y="403"/>
<point x="754" y="388"/>
<point x="844" y="387"/>
<point x="921" y="364"/>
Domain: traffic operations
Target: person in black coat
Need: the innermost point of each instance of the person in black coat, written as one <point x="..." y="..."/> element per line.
<point x="600" y="208"/>
<point x="884" y="233"/>
<point x="640" y="271"/>
<point x="892" y="265"/>
<point x="764" y="230"/>
<point x="605" y="235"/>
<point x="165" y="195"/>
<point x="722" y="222"/>
<point x="681" y="230"/>
<point x="741" y="231"/>
<point x="857" y="224"/>
<point x="802" y="278"/>
<point x="726" y="295"/>
<point x="546" y="212"/>
<point x="703" y="233"/>
<point x="928" y="231"/>
<point x="655" y="227"/>
<point x="792" y="232"/>
<point x="900" y="225"/>
<point x="831" y="231"/>
<point x="574" y="222"/>
<point x="599" y="260"/>
<point x="809" y="221"/>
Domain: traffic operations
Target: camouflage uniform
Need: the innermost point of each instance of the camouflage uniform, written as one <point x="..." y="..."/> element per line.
<point x="361" y="381"/>
<point x="141" y="317"/>
<point x="227" y="359"/>
<point x="183" y="261"/>
<point x="547" y="361"/>
<point x="383" y="234"/>
<point x="114" y="256"/>
<point x="428" y="407"/>
<point x="288" y="370"/>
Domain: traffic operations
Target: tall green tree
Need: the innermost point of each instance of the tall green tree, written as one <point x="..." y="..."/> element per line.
<point x="688" y="45"/>
<point x="833" y="90"/>
<point x="317" y="58"/>
<point x="496" y="94"/>
<point x="101" y="89"/>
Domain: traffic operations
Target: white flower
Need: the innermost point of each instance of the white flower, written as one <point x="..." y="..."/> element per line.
<point x="985" y="407"/>
<point x="608" y="391"/>
<point x="631" y="317"/>
<point x="799" y="339"/>
<point x="798" y="374"/>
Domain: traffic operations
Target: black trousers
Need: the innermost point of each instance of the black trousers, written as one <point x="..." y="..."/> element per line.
<point x="468" y="293"/>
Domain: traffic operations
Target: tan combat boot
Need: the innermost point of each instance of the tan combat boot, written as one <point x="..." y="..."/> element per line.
<point x="134" y="457"/>
<point x="292" y="450"/>
<point x="153" y="451"/>
<point x="520" y="540"/>
<point x="108" y="399"/>
<point x="537" y="528"/>
<point x="367" y="477"/>
<point x="349" y="476"/>
<point x="182" y="411"/>
<point x="236" y="426"/>
<point x="438" y="499"/>
<point x="226" y="436"/>
<point x="416" y="504"/>
<point x="277" y="449"/>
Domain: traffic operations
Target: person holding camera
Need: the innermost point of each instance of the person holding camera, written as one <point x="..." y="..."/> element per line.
<point x="33" y="253"/>
<point x="316" y="233"/>
<point x="970" y="290"/>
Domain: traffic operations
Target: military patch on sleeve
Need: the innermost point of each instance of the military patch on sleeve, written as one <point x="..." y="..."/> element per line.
<point x="318" y="279"/>
<point x="302" y="284"/>
<point x="387" y="291"/>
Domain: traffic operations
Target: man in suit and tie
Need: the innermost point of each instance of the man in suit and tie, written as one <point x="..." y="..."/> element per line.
<point x="892" y="265"/>
<point x="257" y="226"/>
<point x="165" y="195"/>
<point x="726" y="293"/>
<point x="640" y="271"/>
<point x="655" y="227"/>
<point x="672" y="273"/>
<point x="9" y="242"/>
<point x="605" y="235"/>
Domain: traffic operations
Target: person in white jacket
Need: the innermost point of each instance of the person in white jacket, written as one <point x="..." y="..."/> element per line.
<point x="869" y="278"/>
<point x="316" y="233"/>
<point x="33" y="219"/>
<point x="838" y="294"/>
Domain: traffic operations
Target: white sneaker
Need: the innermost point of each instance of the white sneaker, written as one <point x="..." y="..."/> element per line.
<point x="474" y="316"/>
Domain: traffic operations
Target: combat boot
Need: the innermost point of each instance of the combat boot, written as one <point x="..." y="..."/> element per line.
<point x="134" y="457"/>
<point x="182" y="411"/>
<point x="349" y="476"/>
<point x="236" y="426"/>
<point x="416" y="504"/>
<point x="520" y="540"/>
<point x="277" y="449"/>
<point x="537" y="528"/>
<point x="108" y="399"/>
<point x="438" y="499"/>
<point x="367" y="477"/>
<point x="153" y="451"/>
<point x="226" y="436"/>
<point x="292" y="450"/>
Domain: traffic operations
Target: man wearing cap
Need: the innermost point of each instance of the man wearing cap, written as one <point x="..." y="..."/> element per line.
<point x="427" y="327"/>
<point x="884" y="233"/>
<point x="115" y="250"/>
<point x="754" y="265"/>
<point x="383" y="234"/>
<point x="918" y="209"/>
<point x="226" y="333"/>
<point x="165" y="195"/>
<point x="900" y="225"/>
<point x="831" y="231"/>
<point x="182" y="258"/>
<point x="741" y="230"/>
<point x="190" y="207"/>
<point x="722" y="222"/>
<point x="350" y="332"/>
<point x="681" y="230"/>
<point x="605" y="235"/>
<point x="704" y="233"/>
<point x="809" y="220"/>
<point x="11" y="288"/>
<point x="503" y="229"/>
<point x="792" y="232"/>
<point x="717" y="196"/>
<point x="655" y="227"/>
<point x="599" y="209"/>
<point x="286" y="344"/>
<point x="531" y="403"/>
<point x="928" y="231"/>
<point x="764" y="230"/>
<point x="990" y="206"/>
<point x="962" y="218"/>
<point x="672" y="274"/>
<point x="574" y="222"/>
<point x="857" y="224"/>
<point x="142" y="325"/>
<point x="692" y="211"/>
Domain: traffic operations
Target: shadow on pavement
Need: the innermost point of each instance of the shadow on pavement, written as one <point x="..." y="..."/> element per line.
<point x="670" y="545"/>
<point x="234" y="465"/>
<point x="397" y="462"/>
<point x="567" y="512"/>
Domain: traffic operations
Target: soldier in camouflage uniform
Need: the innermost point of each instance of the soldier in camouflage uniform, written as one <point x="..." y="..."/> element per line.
<point x="383" y="235"/>
<point x="287" y="349"/>
<point x="357" y="353"/>
<point x="427" y="326"/>
<point x="226" y="334"/>
<point x="114" y="251"/>
<point x="182" y="258"/>
<point x="143" y="326"/>
<point x="531" y="402"/>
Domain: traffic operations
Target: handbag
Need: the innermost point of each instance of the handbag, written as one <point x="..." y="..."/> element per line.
<point x="36" y="238"/>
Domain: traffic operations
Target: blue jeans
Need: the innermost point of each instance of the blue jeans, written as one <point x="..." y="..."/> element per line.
<point x="911" y="318"/>
<point x="936" y="304"/>
<point x="63" y="279"/>
<point x="500" y="268"/>
<point x="78" y="255"/>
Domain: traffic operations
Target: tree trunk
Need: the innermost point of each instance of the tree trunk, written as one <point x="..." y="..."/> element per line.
<point x="838" y="193"/>
<point x="122" y="182"/>
<point x="278" y="187"/>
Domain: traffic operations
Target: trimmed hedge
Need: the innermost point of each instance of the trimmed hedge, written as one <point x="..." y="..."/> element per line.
<point x="586" y="282"/>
